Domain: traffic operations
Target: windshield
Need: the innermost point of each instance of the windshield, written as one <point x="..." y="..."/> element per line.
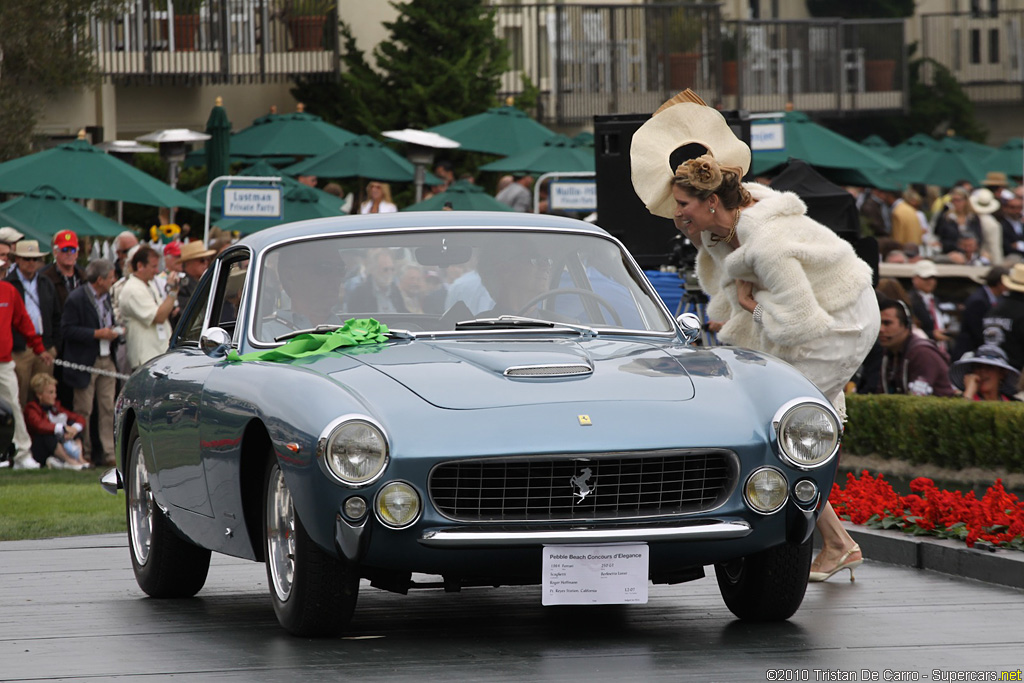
<point x="430" y="281"/>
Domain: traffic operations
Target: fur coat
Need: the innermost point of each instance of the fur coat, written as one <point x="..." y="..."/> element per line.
<point x="802" y="273"/>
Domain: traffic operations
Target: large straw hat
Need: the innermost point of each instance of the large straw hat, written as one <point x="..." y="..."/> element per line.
<point x="983" y="201"/>
<point x="995" y="179"/>
<point x="1014" y="281"/>
<point x="672" y="127"/>
<point x="987" y="354"/>
<point x="195" y="249"/>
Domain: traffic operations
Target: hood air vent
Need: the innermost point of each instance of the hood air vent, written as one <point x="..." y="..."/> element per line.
<point x="557" y="370"/>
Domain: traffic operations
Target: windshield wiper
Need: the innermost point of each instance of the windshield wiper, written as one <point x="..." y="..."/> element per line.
<point x="321" y="329"/>
<point x="514" y="322"/>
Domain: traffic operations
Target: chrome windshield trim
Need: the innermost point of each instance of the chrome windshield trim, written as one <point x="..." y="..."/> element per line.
<point x="474" y="538"/>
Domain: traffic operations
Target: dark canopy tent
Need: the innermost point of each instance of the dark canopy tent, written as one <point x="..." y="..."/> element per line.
<point x="830" y="205"/>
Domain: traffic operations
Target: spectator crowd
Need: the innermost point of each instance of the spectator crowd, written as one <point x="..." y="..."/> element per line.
<point x="98" y="320"/>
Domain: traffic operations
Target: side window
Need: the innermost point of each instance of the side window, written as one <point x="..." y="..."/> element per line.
<point x="229" y="294"/>
<point x="192" y="326"/>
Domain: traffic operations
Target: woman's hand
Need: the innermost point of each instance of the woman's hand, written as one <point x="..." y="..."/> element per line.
<point x="714" y="326"/>
<point x="971" y="382"/>
<point x="745" y="294"/>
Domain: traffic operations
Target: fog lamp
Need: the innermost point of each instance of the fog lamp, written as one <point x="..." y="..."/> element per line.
<point x="355" y="508"/>
<point x="805" y="490"/>
<point x="398" y="505"/>
<point x="765" y="491"/>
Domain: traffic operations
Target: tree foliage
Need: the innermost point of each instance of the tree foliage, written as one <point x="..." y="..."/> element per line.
<point x="441" y="62"/>
<point x="44" y="48"/>
<point x="861" y="9"/>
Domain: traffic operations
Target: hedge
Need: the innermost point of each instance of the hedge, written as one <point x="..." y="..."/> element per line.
<point x="948" y="432"/>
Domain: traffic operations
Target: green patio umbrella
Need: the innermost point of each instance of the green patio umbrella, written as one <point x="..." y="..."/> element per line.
<point x="360" y="157"/>
<point x="298" y="203"/>
<point x="977" y="149"/>
<point x="584" y="139"/>
<point x="330" y="203"/>
<point x="79" y="170"/>
<point x="218" y="147"/>
<point x="827" y="151"/>
<point x="296" y="135"/>
<point x="501" y="130"/>
<point x="1009" y="158"/>
<point x="874" y="141"/>
<point x="463" y="196"/>
<point x="43" y="212"/>
<point x="944" y="166"/>
<point x="915" y="144"/>
<point x="557" y="153"/>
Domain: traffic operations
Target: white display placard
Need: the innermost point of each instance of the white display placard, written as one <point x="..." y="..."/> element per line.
<point x="572" y="195"/>
<point x="595" y="574"/>
<point x="767" y="136"/>
<point x="252" y="202"/>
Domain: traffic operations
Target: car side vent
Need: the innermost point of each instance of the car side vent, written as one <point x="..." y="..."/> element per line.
<point x="560" y="370"/>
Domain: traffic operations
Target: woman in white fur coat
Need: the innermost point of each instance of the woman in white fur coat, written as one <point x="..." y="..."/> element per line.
<point x="785" y="284"/>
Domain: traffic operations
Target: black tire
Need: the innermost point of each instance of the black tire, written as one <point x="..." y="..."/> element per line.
<point x="165" y="564"/>
<point x="768" y="586"/>
<point x="314" y="594"/>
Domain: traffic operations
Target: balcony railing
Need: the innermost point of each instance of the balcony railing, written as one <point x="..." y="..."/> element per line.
<point x="214" y="41"/>
<point x="607" y="59"/>
<point x="983" y="50"/>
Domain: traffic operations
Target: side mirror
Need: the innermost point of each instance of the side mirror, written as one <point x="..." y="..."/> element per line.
<point x="691" y="326"/>
<point x="215" y="342"/>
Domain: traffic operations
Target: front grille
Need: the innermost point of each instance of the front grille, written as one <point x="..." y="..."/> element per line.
<point x="621" y="486"/>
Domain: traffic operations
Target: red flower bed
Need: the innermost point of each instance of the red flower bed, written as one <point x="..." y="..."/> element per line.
<point x="996" y="520"/>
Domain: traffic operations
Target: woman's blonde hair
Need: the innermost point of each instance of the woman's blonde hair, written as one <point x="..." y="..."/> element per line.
<point x="703" y="177"/>
<point x="385" y="190"/>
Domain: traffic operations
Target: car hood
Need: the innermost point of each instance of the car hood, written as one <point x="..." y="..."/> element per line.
<point x="462" y="375"/>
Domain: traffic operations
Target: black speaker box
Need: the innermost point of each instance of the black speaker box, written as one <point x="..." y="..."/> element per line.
<point x="619" y="210"/>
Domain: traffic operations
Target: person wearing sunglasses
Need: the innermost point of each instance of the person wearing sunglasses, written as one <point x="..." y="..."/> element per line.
<point x="65" y="273"/>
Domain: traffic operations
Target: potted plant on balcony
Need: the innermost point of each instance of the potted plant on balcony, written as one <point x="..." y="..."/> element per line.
<point x="684" y="39"/>
<point x="186" y="21"/>
<point x="305" y="20"/>
<point x="730" y="55"/>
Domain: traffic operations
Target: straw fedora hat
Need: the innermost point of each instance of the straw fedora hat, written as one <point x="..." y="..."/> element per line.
<point x="684" y="120"/>
<point x="195" y="249"/>
<point x="984" y="202"/>
<point x="27" y="249"/>
<point x="995" y="179"/>
<point x="1014" y="281"/>
<point x="986" y="354"/>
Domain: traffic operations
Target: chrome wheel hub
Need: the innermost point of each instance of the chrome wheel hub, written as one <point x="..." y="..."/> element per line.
<point x="280" y="535"/>
<point x="140" y="507"/>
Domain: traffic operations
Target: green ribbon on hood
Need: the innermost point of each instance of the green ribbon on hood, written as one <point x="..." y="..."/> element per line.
<point x="355" y="332"/>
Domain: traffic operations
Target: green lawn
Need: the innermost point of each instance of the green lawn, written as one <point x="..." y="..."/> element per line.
<point x="48" y="503"/>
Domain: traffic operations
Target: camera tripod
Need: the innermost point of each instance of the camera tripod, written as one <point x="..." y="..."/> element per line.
<point x="695" y="301"/>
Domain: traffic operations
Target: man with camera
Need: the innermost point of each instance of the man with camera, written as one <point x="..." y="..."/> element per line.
<point x="146" y="309"/>
<point x="90" y="336"/>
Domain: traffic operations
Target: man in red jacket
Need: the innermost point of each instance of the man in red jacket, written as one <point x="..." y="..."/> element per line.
<point x="13" y="314"/>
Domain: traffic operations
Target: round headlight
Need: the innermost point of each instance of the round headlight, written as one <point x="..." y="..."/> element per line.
<point x="765" y="491"/>
<point x="808" y="435"/>
<point x="356" y="452"/>
<point x="398" y="504"/>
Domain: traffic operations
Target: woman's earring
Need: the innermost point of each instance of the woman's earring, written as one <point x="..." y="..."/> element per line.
<point x="712" y="209"/>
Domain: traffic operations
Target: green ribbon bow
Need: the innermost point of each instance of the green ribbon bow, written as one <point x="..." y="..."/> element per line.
<point x="355" y="332"/>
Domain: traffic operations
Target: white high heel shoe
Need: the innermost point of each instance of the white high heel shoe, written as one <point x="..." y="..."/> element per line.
<point x="844" y="563"/>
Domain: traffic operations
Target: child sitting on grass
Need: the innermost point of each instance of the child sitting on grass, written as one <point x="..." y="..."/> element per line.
<point x="54" y="429"/>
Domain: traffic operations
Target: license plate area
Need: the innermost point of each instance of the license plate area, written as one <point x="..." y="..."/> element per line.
<point x="608" y="574"/>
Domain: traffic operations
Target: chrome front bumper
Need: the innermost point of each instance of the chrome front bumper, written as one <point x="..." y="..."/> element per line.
<point x="458" y="537"/>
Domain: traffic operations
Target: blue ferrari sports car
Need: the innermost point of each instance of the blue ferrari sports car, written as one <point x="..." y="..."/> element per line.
<point x="456" y="399"/>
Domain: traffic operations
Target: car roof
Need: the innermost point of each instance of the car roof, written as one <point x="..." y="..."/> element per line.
<point x="415" y="219"/>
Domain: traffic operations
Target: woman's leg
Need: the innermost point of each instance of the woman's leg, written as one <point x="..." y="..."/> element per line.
<point x="836" y="542"/>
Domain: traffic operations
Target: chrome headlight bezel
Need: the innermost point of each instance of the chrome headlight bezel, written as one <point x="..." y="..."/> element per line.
<point x="783" y="421"/>
<point x="336" y="430"/>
